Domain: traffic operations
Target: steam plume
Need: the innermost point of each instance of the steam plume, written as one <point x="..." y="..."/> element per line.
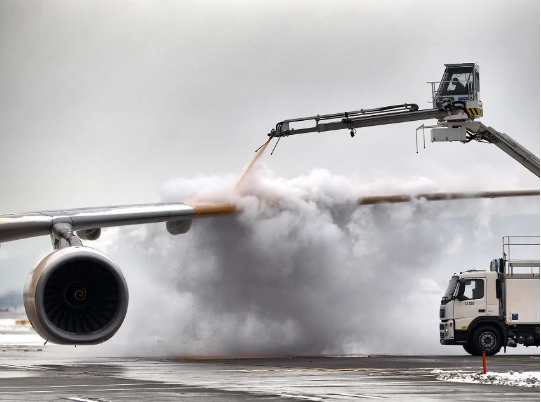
<point x="297" y="272"/>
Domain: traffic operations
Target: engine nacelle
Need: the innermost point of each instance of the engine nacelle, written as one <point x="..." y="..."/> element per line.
<point x="76" y="296"/>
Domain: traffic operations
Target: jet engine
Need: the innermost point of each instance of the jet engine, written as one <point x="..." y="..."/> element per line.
<point x="76" y="296"/>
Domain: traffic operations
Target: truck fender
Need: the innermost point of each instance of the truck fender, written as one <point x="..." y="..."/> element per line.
<point x="494" y="321"/>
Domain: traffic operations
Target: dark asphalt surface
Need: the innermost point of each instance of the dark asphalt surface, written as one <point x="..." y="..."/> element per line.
<point x="47" y="376"/>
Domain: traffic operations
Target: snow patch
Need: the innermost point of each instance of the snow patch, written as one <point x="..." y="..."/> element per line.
<point x="528" y="379"/>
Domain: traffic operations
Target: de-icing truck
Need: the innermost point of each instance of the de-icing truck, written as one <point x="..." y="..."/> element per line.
<point x="485" y="310"/>
<point x="482" y="311"/>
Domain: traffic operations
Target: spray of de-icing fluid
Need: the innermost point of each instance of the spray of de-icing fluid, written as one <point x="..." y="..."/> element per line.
<point x="246" y="171"/>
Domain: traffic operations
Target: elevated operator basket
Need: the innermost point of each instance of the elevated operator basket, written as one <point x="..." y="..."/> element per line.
<point x="459" y="87"/>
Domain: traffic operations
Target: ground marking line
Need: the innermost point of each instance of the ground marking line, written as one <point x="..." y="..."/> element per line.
<point x="359" y="396"/>
<point x="106" y="390"/>
<point x="307" y="398"/>
<point x="92" y="385"/>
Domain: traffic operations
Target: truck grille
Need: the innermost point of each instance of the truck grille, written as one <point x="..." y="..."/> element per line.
<point x="442" y="312"/>
<point x="441" y="335"/>
<point x="442" y="327"/>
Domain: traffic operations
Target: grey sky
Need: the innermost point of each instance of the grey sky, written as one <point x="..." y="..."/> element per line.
<point x="102" y="102"/>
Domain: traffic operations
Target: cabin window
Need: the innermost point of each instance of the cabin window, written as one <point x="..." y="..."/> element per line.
<point x="456" y="80"/>
<point x="474" y="289"/>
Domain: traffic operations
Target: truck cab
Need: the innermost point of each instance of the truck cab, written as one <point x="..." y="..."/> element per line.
<point x="485" y="310"/>
<point x="470" y="299"/>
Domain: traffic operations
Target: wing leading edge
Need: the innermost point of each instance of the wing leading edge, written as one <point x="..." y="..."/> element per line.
<point x="21" y="226"/>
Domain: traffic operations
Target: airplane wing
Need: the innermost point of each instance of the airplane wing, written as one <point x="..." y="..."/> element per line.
<point x="21" y="226"/>
<point x="396" y="198"/>
<point x="78" y="296"/>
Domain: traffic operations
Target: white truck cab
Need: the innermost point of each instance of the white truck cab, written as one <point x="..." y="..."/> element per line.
<point x="485" y="310"/>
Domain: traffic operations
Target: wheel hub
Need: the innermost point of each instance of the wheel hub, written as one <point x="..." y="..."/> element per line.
<point x="487" y="340"/>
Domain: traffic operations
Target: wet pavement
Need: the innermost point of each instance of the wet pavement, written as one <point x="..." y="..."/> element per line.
<point x="46" y="376"/>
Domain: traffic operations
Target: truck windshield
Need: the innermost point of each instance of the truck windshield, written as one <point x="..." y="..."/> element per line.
<point x="451" y="288"/>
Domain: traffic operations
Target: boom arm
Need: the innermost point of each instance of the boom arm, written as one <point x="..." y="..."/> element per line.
<point x="453" y="125"/>
<point x="359" y="118"/>
<point x="456" y="105"/>
<point x="480" y="132"/>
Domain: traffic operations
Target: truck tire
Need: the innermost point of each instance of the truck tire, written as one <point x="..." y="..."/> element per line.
<point x="467" y="347"/>
<point x="486" y="339"/>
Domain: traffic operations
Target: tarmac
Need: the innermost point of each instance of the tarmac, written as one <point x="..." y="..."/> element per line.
<point x="33" y="373"/>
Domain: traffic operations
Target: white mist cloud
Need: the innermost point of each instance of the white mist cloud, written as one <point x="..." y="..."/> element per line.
<point x="297" y="272"/>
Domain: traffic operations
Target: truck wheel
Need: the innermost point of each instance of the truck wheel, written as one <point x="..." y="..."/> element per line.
<point x="470" y="350"/>
<point x="488" y="340"/>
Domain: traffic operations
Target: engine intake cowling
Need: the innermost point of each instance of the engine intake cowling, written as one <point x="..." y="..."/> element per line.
<point x="76" y="296"/>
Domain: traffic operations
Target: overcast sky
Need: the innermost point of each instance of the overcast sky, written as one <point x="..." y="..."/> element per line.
<point x="102" y="102"/>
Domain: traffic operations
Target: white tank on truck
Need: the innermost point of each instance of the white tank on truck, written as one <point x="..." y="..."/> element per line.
<point x="486" y="310"/>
